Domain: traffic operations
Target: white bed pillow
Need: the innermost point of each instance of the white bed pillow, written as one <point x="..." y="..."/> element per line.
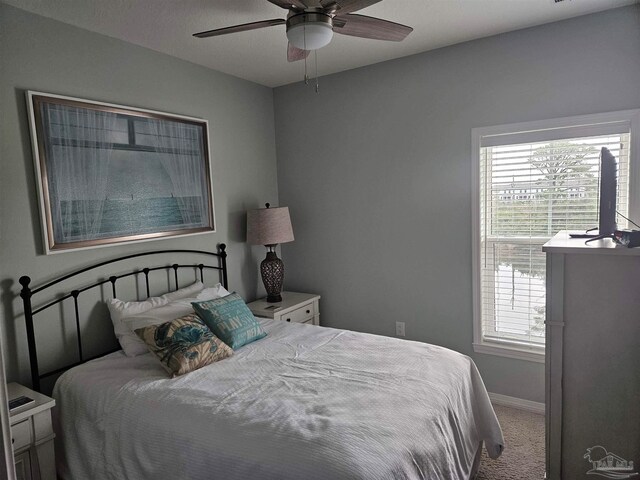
<point x="119" y="309"/>
<point x="211" y="293"/>
<point x="187" y="292"/>
<point x="133" y="346"/>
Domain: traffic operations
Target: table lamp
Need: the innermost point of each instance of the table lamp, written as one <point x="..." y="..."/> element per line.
<point x="269" y="227"/>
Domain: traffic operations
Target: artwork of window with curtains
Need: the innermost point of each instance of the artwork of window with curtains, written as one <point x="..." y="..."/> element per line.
<point x="110" y="174"/>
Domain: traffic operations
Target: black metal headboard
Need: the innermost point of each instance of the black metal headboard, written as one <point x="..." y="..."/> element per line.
<point x="28" y="293"/>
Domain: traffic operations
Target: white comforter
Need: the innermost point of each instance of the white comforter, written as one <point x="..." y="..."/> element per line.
<point x="303" y="403"/>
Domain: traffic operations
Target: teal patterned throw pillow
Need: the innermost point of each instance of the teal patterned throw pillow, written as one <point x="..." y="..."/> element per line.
<point x="230" y="319"/>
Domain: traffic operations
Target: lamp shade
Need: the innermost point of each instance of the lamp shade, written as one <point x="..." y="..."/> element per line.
<point x="269" y="226"/>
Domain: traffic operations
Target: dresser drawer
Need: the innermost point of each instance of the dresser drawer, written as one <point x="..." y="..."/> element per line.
<point x="300" y="315"/>
<point x="21" y="434"/>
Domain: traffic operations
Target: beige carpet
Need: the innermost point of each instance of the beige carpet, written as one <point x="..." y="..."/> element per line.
<point x="523" y="456"/>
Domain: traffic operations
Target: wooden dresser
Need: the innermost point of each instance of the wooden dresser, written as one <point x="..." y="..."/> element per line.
<point x="592" y="358"/>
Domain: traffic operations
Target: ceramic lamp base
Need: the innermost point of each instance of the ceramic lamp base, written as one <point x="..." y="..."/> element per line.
<point x="272" y="271"/>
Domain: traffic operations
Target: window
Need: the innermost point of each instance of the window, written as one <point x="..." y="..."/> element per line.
<point x="531" y="181"/>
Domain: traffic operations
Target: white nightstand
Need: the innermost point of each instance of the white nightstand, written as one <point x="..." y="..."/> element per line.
<point x="32" y="435"/>
<point x="294" y="307"/>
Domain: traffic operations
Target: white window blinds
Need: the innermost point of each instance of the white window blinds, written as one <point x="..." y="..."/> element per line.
<point x="529" y="192"/>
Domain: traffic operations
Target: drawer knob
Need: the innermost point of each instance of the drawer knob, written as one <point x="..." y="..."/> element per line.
<point x="288" y="319"/>
<point x="308" y="311"/>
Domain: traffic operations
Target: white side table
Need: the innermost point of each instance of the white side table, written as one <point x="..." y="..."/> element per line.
<point x="32" y="435"/>
<point x="294" y="307"/>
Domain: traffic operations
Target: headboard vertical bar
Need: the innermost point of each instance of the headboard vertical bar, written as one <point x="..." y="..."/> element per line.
<point x="223" y="262"/>
<point x="113" y="285"/>
<point x="146" y="276"/>
<point x="201" y="267"/>
<point x="25" y="293"/>
<point x="75" y="294"/>
<point x="175" y="274"/>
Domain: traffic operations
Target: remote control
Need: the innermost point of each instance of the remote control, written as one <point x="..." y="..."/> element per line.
<point x="19" y="402"/>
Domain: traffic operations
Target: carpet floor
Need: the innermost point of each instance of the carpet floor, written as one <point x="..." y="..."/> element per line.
<point x="523" y="456"/>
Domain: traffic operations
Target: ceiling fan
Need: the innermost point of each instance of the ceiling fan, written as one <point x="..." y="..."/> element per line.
<point x="311" y="24"/>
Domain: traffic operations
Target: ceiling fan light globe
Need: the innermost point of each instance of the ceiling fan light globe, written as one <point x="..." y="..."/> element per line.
<point x="310" y="35"/>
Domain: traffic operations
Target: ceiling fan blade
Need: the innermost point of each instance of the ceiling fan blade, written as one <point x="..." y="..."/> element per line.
<point x="240" y="28"/>
<point x="294" y="53"/>
<point x="289" y="4"/>
<point x="342" y="7"/>
<point x="370" y="27"/>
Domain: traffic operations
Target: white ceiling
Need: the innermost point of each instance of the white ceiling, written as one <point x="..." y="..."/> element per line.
<point x="260" y="56"/>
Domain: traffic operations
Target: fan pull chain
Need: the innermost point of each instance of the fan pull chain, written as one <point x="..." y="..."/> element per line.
<point x="304" y="39"/>
<point x="315" y="54"/>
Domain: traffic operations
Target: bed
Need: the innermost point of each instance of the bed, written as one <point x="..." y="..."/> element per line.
<point x="304" y="402"/>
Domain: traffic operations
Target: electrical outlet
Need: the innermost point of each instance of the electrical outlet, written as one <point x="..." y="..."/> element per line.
<point x="400" y="329"/>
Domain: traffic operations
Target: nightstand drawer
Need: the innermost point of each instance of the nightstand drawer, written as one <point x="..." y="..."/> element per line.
<point x="300" y="315"/>
<point x="294" y="307"/>
<point x="21" y="434"/>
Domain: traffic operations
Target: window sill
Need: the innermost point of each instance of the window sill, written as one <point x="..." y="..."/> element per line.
<point x="510" y="351"/>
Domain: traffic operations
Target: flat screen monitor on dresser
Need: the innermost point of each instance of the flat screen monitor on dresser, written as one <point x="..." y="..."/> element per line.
<point x="607" y="193"/>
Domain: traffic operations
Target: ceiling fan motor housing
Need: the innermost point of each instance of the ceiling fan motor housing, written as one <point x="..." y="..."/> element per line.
<point x="309" y="30"/>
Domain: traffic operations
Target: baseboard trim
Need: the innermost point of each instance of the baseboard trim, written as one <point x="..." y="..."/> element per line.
<point x="519" y="403"/>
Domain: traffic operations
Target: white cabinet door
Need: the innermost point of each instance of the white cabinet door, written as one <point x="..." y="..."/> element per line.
<point x="23" y="466"/>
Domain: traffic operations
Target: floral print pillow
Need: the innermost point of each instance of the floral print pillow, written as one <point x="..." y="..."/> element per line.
<point x="184" y="344"/>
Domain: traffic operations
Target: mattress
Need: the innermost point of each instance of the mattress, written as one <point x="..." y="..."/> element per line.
<point x="305" y="402"/>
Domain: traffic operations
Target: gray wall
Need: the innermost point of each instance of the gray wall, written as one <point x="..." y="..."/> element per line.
<point x="41" y="54"/>
<point x="377" y="171"/>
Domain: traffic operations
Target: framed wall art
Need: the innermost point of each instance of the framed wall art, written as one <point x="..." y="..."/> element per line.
<point x="109" y="174"/>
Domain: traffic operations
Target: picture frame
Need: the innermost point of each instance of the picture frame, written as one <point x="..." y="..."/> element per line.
<point x="110" y="174"/>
